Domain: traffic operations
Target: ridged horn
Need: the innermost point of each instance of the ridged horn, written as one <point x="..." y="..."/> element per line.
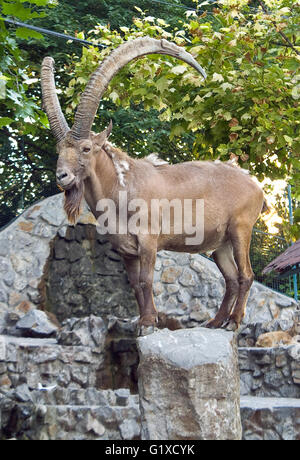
<point x="51" y="105"/>
<point x="117" y="59"/>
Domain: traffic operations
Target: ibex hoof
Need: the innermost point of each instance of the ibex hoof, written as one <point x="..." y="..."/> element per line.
<point x="147" y="330"/>
<point x="232" y="326"/>
<point x="212" y="324"/>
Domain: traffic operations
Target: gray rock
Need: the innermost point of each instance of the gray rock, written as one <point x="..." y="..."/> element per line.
<point x="124" y="327"/>
<point x="187" y="277"/>
<point x="4" y="246"/>
<point x="130" y="429"/>
<point x="43" y="230"/>
<point x="53" y="213"/>
<point x="20" y="283"/>
<point x="184" y="372"/>
<point x="284" y="301"/>
<point x="294" y="352"/>
<point x="268" y="372"/>
<point x="22" y="393"/>
<point x="60" y="249"/>
<point x="19" y="262"/>
<point x="199" y="316"/>
<point x="274" y="379"/>
<point x="122" y="395"/>
<point x="2" y="349"/>
<point x="95" y="426"/>
<point x="75" y="252"/>
<point x="6" y="272"/>
<point x="3" y="295"/>
<point x="9" y="277"/>
<point x="171" y="288"/>
<point x="36" y="324"/>
<point x="89" y="331"/>
<point x="171" y="274"/>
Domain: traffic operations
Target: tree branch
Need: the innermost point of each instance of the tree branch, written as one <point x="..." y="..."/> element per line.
<point x="282" y="44"/>
<point x="279" y="31"/>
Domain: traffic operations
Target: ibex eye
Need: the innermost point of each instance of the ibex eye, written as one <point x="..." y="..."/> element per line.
<point x="86" y="149"/>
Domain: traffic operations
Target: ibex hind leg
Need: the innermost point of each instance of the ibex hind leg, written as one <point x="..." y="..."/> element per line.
<point x="241" y="238"/>
<point x="227" y="266"/>
<point x="148" y="311"/>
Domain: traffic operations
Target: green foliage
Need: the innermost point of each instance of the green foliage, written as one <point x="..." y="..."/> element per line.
<point x="27" y="149"/>
<point x="17" y="108"/>
<point x="247" y="109"/>
<point x="20" y="114"/>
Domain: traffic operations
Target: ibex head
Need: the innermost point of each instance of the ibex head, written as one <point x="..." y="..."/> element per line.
<point x="76" y="159"/>
<point x="78" y="146"/>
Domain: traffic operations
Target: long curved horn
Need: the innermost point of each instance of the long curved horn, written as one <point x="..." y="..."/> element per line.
<point x="51" y="104"/>
<point x="117" y="59"/>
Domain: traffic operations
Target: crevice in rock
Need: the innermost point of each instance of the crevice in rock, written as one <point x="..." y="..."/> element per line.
<point x="119" y="368"/>
<point x="86" y="276"/>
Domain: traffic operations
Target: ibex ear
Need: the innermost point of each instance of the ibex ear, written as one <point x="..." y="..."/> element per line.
<point x="109" y="129"/>
<point x="100" y="138"/>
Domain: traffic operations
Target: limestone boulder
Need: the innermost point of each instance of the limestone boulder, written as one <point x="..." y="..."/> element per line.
<point x="189" y="385"/>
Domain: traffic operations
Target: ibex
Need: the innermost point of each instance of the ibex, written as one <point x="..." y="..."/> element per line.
<point x="91" y="167"/>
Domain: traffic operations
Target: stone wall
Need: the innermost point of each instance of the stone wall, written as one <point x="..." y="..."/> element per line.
<point x="270" y="372"/>
<point x="270" y="419"/>
<point x="83" y="385"/>
<point x="86" y="276"/>
<point x="53" y="390"/>
<point x="50" y="391"/>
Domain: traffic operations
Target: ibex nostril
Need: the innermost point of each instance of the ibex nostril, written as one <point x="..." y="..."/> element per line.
<point x="61" y="176"/>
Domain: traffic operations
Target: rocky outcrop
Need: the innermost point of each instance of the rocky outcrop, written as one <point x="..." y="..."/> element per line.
<point x="189" y="385"/>
<point x="75" y="389"/>
<point x="73" y="271"/>
<point x="82" y="383"/>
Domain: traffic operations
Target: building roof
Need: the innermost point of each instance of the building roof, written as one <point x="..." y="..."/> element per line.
<point x="289" y="258"/>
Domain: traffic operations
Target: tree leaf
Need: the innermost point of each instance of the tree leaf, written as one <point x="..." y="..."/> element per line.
<point x="114" y="96"/>
<point x="5" y="121"/>
<point x="288" y="139"/>
<point x="217" y="77"/>
<point x="23" y="32"/>
<point x="178" y="69"/>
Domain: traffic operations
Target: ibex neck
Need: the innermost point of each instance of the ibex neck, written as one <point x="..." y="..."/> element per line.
<point x="108" y="177"/>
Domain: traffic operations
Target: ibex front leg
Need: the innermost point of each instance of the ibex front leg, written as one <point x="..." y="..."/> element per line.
<point x="132" y="266"/>
<point x="140" y="273"/>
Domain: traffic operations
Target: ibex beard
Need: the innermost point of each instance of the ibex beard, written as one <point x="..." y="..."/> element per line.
<point x="73" y="200"/>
